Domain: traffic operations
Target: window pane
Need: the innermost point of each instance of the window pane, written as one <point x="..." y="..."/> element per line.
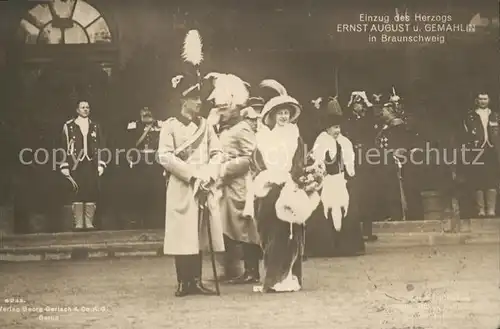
<point x="75" y="35"/>
<point x="29" y="33"/>
<point x="51" y="35"/>
<point x="99" y="32"/>
<point x="84" y="13"/>
<point x="41" y="15"/>
<point x="63" y="8"/>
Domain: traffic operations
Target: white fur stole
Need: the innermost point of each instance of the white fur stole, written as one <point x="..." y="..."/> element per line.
<point x="335" y="198"/>
<point x="326" y="143"/>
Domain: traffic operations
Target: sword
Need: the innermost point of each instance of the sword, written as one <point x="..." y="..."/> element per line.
<point x="203" y="216"/>
<point x="404" y="204"/>
<point x="73" y="182"/>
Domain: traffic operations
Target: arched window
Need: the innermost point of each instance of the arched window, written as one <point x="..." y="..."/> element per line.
<point x="64" y="22"/>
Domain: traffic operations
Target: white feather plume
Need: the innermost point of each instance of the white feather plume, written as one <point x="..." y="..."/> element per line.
<point x="212" y="75"/>
<point x="192" y="51"/>
<point x="229" y="90"/>
<point x="273" y="84"/>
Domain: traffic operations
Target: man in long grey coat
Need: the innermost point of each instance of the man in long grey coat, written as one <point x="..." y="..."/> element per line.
<point x="190" y="152"/>
<point x="238" y="141"/>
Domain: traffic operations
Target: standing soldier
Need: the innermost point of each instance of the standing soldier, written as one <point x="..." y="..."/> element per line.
<point x="395" y="143"/>
<point x="83" y="144"/>
<point x="190" y="152"/>
<point x="360" y="129"/>
<point x="482" y="161"/>
<point x="230" y="95"/>
<point x="146" y="188"/>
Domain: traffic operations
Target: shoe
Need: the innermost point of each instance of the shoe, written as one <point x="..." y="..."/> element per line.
<point x="245" y="278"/>
<point x="371" y="238"/>
<point x="197" y="288"/>
<point x="182" y="289"/>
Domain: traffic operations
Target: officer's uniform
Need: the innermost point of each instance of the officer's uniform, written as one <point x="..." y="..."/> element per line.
<point x="392" y="171"/>
<point x="145" y="175"/>
<point x="361" y="130"/>
<point x="481" y="168"/>
<point x="83" y="143"/>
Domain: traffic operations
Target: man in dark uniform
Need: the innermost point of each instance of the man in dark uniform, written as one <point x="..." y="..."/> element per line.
<point x="481" y="140"/>
<point x="360" y="129"/>
<point x="396" y="143"/>
<point x="145" y="174"/>
<point x="83" y="144"/>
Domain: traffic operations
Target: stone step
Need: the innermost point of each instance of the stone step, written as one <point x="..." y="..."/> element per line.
<point x="92" y="237"/>
<point x="153" y="248"/>
<point x="476" y="224"/>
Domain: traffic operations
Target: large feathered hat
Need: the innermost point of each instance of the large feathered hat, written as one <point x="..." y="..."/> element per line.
<point x="280" y="101"/>
<point x="188" y="84"/>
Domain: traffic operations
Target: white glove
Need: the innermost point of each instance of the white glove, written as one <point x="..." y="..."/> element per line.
<point x="65" y="172"/>
<point x="100" y="170"/>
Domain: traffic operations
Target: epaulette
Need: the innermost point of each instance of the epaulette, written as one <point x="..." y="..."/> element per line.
<point x="69" y="121"/>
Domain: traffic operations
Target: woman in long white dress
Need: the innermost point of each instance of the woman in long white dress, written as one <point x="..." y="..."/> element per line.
<point x="285" y="191"/>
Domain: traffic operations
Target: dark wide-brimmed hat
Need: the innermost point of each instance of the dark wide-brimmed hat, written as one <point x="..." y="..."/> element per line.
<point x="329" y="120"/>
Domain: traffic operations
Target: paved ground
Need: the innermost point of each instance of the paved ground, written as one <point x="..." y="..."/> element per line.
<point x="442" y="287"/>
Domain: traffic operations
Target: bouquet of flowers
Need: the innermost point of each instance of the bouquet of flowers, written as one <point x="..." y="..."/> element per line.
<point x="312" y="178"/>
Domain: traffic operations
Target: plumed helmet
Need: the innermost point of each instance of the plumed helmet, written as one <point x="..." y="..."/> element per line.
<point x="188" y="83"/>
<point x="228" y="90"/>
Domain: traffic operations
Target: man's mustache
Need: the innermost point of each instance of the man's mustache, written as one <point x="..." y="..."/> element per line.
<point x="214" y="116"/>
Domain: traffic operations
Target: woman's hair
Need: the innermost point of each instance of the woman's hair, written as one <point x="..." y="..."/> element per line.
<point x="274" y="112"/>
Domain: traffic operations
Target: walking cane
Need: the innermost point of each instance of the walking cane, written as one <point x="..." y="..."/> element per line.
<point x="203" y="216"/>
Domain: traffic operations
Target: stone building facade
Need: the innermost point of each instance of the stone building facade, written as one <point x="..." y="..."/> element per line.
<point x="122" y="53"/>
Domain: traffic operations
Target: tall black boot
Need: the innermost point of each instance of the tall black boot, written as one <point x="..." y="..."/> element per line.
<point x="196" y="286"/>
<point x="181" y="267"/>
<point x="252" y="255"/>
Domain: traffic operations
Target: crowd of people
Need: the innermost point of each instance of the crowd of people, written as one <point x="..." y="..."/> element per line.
<point x="266" y="193"/>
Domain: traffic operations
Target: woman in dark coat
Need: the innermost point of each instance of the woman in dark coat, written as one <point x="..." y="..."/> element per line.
<point x="285" y="192"/>
<point x="334" y="228"/>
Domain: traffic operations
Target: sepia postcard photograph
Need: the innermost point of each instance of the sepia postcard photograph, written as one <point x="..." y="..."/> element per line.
<point x="224" y="164"/>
